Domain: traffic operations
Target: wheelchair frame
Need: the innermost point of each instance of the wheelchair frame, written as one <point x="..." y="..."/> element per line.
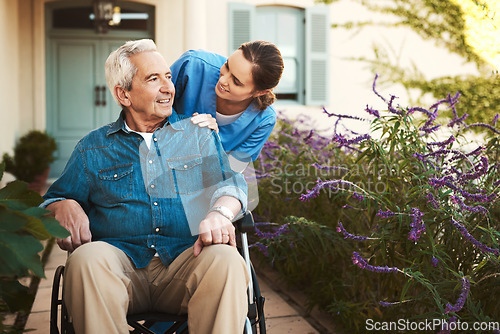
<point x="141" y="323"/>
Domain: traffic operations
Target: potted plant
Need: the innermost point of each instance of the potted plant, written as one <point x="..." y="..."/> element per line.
<point x="33" y="155"/>
<point x="22" y="225"/>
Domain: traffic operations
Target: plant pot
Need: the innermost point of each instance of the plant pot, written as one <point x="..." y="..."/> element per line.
<point x="40" y="181"/>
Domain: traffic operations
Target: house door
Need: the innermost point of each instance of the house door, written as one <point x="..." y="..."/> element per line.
<point x="78" y="99"/>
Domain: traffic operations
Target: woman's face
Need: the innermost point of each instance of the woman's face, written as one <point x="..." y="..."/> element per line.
<point x="235" y="81"/>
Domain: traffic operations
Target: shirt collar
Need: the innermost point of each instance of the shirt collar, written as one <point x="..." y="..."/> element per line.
<point x="119" y="124"/>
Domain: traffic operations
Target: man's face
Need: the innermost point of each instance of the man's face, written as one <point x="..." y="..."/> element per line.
<point x="152" y="92"/>
<point x="235" y="80"/>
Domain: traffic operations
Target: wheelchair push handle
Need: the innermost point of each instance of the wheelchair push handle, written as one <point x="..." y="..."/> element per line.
<point x="245" y="223"/>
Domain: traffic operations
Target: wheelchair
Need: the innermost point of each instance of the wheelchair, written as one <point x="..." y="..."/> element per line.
<point x="144" y="323"/>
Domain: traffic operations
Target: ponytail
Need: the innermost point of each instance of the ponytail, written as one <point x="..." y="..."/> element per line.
<point x="265" y="100"/>
<point x="267" y="68"/>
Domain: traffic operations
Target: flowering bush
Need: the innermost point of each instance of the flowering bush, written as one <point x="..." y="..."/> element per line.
<point x="399" y="224"/>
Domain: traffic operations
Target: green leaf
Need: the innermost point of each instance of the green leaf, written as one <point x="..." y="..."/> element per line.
<point x="19" y="255"/>
<point x="36" y="228"/>
<point x="18" y="192"/>
<point x="54" y="228"/>
<point x="42" y="226"/>
<point x="11" y="221"/>
<point x="15" y="295"/>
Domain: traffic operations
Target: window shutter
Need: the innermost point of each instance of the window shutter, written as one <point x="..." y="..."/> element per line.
<point x="317" y="32"/>
<point x="241" y="23"/>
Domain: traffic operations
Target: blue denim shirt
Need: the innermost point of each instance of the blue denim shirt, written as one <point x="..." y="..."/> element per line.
<point x="146" y="201"/>
<point x="195" y="75"/>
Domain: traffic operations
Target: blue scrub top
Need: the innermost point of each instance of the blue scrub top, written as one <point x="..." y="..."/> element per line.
<point x="195" y="75"/>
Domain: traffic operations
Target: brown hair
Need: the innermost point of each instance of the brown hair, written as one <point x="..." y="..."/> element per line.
<point x="267" y="68"/>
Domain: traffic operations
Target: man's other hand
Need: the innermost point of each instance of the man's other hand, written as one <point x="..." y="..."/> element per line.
<point x="215" y="229"/>
<point x="72" y="217"/>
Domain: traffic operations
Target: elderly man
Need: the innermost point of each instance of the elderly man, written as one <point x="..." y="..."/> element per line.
<point x="148" y="201"/>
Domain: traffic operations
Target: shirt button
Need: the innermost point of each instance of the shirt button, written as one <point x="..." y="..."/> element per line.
<point x="155" y="139"/>
<point x="152" y="246"/>
<point x="116" y="175"/>
<point x="155" y="203"/>
<point x="157" y="229"/>
<point x="152" y="186"/>
<point x="185" y="166"/>
<point x="150" y="161"/>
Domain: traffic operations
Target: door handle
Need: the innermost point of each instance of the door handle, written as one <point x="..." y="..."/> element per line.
<point x="97" y="91"/>
<point x="103" y="96"/>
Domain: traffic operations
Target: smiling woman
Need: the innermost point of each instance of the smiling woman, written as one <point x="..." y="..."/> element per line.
<point x="236" y="91"/>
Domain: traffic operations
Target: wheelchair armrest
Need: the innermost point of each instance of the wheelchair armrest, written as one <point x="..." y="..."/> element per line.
<point x="245" y="223"/>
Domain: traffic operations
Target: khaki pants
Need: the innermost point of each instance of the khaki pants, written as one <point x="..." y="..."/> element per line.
<point x="101" y="285"/>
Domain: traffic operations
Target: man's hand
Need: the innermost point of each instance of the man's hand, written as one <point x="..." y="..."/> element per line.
<point x="215" y="229"/>
<point x="205" y="120"/>
<point x="72" y="217"/>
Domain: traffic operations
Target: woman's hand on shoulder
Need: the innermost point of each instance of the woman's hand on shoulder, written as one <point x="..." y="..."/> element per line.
<point x="205" y="120"/>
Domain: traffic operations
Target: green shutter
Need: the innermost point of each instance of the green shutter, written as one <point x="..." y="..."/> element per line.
<point x="317" y="32"/>
<point x="241" y="22"/>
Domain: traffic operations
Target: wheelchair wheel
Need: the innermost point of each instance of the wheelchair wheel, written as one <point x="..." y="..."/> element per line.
<point x="58" y="311"/>
<point x="257" y="319"/>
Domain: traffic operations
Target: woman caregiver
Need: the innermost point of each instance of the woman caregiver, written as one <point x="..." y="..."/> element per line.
<point x="236" y="91"/>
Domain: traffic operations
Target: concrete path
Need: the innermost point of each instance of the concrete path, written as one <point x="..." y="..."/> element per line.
<point x="281" y="316"/>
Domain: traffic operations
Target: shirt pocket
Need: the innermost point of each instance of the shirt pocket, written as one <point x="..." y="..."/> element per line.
<point x="186" y="174"/>
<point x="116" y="182"/>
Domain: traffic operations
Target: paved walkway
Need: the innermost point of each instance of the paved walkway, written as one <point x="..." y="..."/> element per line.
<point x="281" y="316"/>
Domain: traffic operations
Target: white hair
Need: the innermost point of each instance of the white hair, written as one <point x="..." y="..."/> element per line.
<point x="119" y="70"/>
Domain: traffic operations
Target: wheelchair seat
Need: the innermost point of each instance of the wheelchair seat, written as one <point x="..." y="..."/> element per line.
<point x="60" y="322"/>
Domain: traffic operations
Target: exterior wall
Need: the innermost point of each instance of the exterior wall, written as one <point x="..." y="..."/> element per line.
<point x="187" y="24"/>
<point x="351" y="81"/>
<point x="9" y="67"/>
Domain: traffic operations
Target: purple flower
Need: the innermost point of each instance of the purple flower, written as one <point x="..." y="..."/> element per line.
<point x="461" y="228"/>
<point x="343" y="116"/>
<point x="267" y="235"/>
<point x="432" y="201"/>
<point x="385" y="214"/>
<point x="262" y="248"/>
<point x="461" y="299"/>
<point x="360" y="262"/>
<point x="477" y="197"/>
<point x="446" y="328"/>
<point x="434" y="261"/>
<point x="480" y="169"/>
<point x="391" y="108"/>
<point x="483" y="125"/>
<point x="458" y="120"/>
<point x="372" y="111"/>
<point x="308" y="137"/>
<point x="348" y="235"/>
<point x="428" y="130"/>
<point x="473" y="209"/>
<point x="443" y="143"/>
<point x="495" y="120"/>
<point x="345" y="142"/>
<point x="334" y="184"/>
<point x="444" y="181"/>
<point x="417" y="225"/>
<point x="358" y="196"/>
<point x="430" y="115"/>
<point x="387" y="304"/>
